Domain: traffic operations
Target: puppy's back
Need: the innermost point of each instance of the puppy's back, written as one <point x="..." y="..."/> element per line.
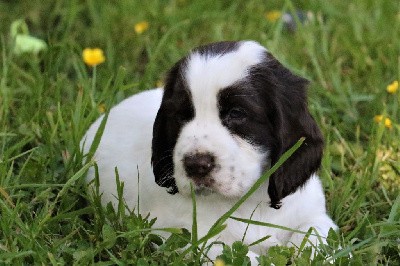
<point x="125" y="144"/>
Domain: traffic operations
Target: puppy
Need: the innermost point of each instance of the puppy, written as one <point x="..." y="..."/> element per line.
<point x="228" y="111"/>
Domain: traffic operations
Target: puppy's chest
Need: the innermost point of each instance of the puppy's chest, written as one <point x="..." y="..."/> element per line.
<point x="208" y="212"/>
<point x="265" y="229"/>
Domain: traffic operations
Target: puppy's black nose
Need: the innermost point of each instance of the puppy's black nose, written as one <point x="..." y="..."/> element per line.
<point x="198" y="164"/>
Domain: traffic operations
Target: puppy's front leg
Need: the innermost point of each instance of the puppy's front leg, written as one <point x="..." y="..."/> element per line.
<point x="321" y="224"/>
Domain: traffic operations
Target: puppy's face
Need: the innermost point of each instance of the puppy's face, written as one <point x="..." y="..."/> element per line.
<point x="229" y="110"/>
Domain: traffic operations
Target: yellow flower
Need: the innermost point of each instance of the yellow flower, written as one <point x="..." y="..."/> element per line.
<point x="93" y="57"/>
<point x="273" y="15"/>
<point x="379" y="118"/>
<point x="219" y="262"/>
<point x="393" y="87"/>
<point x="388" y="123"/>
<point x="141" y="27"/>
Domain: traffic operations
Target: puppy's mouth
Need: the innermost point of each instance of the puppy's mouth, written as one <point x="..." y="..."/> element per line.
<point x="203" y="186"/>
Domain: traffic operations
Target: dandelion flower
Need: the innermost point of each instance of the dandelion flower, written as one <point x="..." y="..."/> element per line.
<point x="273" y="16"/>
<point x="378" y="118"/>
<point x="93" y="57"/>
<point x="387" y="122"/>
<point x="141" y="27"/>
<point x="393" y="87"/>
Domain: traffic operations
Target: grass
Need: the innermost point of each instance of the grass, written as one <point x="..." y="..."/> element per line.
<point x="349" y="51"/>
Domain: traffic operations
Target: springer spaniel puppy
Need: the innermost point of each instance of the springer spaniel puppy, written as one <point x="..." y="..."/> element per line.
<point x="228" y="111"/>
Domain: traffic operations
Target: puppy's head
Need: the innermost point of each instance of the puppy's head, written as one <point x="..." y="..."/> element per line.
<point x="228" y="112"/>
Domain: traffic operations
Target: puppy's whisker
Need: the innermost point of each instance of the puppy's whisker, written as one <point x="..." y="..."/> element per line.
<point x="162" y="159"/>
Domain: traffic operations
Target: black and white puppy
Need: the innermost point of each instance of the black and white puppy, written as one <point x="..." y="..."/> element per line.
<point x="228" y="111"/>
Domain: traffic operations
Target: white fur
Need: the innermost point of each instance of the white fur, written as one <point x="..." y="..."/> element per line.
<point x="126" y="144"/>
<point x="210" y="74"/>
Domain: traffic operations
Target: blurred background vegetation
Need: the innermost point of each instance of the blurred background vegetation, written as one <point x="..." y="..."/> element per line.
<point x="349" y="50"/>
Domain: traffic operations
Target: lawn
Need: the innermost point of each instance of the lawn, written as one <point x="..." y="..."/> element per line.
<point x="349" y="50"/>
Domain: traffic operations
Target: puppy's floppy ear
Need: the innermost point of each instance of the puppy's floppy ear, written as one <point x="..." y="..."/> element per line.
<point x="291" y="121"/>
<point x="161" y="158"/>
<point x="164" y="139"/>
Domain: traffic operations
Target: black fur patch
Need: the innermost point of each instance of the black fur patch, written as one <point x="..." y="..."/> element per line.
<point x="286" y="102"/>
<point x="176" y="109"/>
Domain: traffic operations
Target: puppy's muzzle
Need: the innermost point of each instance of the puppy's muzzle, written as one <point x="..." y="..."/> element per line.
<point x="198" y="165"/>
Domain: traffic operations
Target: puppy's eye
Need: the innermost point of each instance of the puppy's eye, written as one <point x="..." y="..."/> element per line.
<point x="237" y="114"/>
